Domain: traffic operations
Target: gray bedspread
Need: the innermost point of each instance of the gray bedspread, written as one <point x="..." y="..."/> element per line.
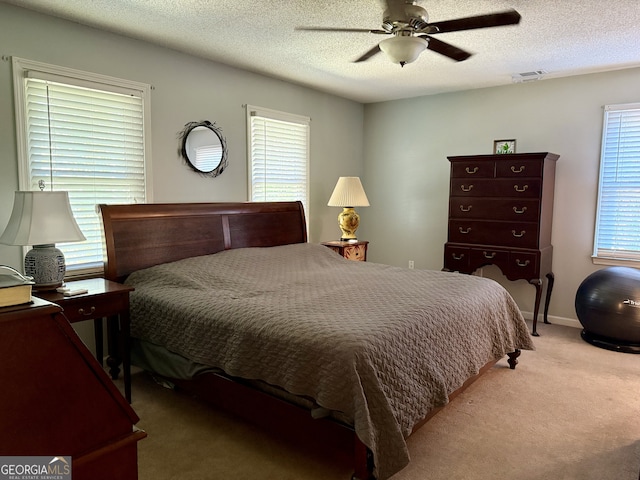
<point x="381" y="344"/>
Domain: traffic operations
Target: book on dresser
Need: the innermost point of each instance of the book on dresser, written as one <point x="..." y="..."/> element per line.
<point x="15" y="288"/>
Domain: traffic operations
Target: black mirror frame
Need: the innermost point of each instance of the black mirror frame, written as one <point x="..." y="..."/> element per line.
<point x="183" y="147"/>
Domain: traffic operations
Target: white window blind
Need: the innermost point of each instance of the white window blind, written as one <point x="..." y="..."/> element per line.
<point x="278" y="156"/>
<point x="617" y="236"/>
<point x="208" y="157"/>
<point x="88" y="141"/>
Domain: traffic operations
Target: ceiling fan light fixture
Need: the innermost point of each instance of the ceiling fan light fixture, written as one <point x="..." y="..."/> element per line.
<point x="403" y="49"/>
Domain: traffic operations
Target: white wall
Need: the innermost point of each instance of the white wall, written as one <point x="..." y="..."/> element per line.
<point x="407" y="172"/>
<point x="185" y="89"/>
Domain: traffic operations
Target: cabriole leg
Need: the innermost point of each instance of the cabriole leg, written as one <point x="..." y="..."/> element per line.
<point x="537" y="282"/>
<point x="550" y="281"/>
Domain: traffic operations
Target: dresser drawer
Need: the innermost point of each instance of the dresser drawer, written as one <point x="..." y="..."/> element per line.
<point x="510" y="234"/>
<point x="498" y="187"/>
<point x="519" y="168"/>
<point x="522" y="265"/>
<point x="457" y="258"/>
<point x="488" y="256"/>
<point x="473" y="169"/>
<point x="513" y="209"/>
<point x="514" y="264"/>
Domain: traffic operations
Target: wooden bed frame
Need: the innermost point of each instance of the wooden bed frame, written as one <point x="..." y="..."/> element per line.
<point x="142" y="235"/>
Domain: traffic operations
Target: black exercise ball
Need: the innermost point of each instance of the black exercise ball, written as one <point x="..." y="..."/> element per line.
<point x="608" y="307"/>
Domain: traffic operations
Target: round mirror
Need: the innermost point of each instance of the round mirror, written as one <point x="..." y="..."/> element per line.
<point x="204" y="148"/>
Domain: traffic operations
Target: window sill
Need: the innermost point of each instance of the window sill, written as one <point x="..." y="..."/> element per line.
<point x="622" y="262"/>
<point x="83" y="274"/>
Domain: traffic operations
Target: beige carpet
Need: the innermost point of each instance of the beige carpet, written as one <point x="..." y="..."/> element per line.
<point x="569" y="411"/>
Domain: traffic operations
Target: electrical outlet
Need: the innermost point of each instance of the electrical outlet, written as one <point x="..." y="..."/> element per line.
<point x="410" y="263"/>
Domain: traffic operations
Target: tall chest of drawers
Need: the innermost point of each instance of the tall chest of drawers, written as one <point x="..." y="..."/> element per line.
<point x="500" y="213"/>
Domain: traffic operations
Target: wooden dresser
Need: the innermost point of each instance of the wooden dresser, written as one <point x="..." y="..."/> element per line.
<point x="500" y="213"/>
<point x="58" y="400"/>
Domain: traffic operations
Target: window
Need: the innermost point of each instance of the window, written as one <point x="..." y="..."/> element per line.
<point x="278" y="156"/>
<point x="617" y="236"/>
<point x="84" y="134"/>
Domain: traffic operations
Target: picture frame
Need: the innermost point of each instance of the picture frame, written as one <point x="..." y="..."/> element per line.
<point x="504" y="146"/>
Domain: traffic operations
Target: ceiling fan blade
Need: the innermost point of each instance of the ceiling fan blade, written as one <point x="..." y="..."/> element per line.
<point x="446" y="49"/>
<point x="367" y="55"/>
<point x="338" y="29"/>
<point x="509" y="17"/>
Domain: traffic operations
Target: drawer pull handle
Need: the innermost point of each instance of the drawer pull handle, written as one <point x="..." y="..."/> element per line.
<point x="465" y="188"/>
<point x="518" y="189"/>
<point x="464" y="230"/>
<point x="518" y="235"/>
<point x="489" y="255"/>
<point x="90" y="312"/>
<point x="520" y="170"/>
<point x="521" y="263"/>
<point x="465" y="208"/>
<point x="521" y="210"/>
<point x="471" y="172"/>
<point x="457" y="257"/>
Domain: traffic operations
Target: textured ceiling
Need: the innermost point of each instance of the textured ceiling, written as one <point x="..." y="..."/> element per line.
<point x="562" y="37"/>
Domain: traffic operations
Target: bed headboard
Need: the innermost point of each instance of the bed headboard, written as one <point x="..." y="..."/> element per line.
<point x="142" y="235"/>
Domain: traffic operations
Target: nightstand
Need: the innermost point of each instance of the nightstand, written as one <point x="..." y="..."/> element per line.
<point x="349" y="250"/>
<point x="104" y="299"/>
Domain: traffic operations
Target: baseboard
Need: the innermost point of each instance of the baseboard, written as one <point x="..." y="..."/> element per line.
<point x="567" y="322"/>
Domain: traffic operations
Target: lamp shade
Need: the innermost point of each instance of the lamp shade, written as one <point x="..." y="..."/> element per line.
<point x="348" y="193"/>
<point x="41" y="218"/>
<point x="403" y="49"/>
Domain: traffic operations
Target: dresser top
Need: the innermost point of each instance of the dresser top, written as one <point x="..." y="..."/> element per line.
<point x="507" y="157"/>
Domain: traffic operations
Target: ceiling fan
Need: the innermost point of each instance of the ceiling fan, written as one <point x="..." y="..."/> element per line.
<point x="411" y="31"/>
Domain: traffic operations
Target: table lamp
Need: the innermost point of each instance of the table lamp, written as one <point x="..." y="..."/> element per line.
<point x="42" y="219"/>
<point x="348" y="194"/>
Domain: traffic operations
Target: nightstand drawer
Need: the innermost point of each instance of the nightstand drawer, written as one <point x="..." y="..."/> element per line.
<point x="78" y="309"/>
<point x="355" y="252"/>
<point x="350" y="250"/>
<point x="103" y="299"/>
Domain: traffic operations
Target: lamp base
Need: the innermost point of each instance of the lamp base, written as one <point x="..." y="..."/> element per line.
<point x="349" y="222"/>
<point x="45" y="263"/>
